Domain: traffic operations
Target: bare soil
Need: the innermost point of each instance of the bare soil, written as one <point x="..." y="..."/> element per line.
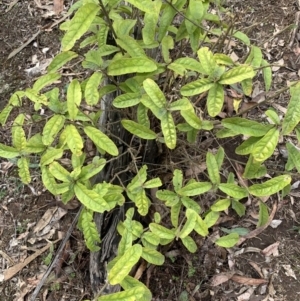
<point x="184" y="276"/>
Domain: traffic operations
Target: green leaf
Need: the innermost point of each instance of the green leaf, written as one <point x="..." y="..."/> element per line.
<point x="188" y="226"/>
<point x="211" y="218"/>
<point x="177" y="179"/>
<point x="212" y="168"/>
<point x="189" y="243"/>
<point x="264" y="148"/>
<point x="52" y="128"/>
<point x="292" y="116"/>
<point x="175" y="211"/>
<point x="247" y="146"/>
<point x="49" y="181"/>
<point x="90" y="198"/>
<point x="130" y="65"/>
<point x="257" y="56"/>
<point x="5" y="113"/>
<point x="124" y="265"/>
<point x="138" y="181"/>
<point x="153" y="183"/>
<point x="293" y="155"/>
<point x="272" y="114"/>
<point x="35" y="144"/>
<point x="196" y="87"/>
<point x="180" y="104"/>
<point x="239" y="231"/>
<point x="131" y="46"/>
<point x="154" y="92"/>
<point x="74" y="140"/>
<point x="150" y="20"/>
<point x="189" y="203"/>
<point x="263" y="214"/>
<point x="220" y="205"/>
<point x="74" y="98"/>
<point x="228" y="241"/>
<point x="18" y="138"/>
<point x="246" y="127"/>
<point x="169" y="197"/>
<point x="233" y="190"/>
<point x="267" y="74"/>
<point x="89" y="229"/>
<point x="254" y="169"/>
<point x="142" y="115"/>
<point x="270" y="187"/>
<point x="207" y="60"/>
<point x="169" y="130"/>
<point x="215" y="100"/>
<point x="192" y="119"/>
<point x="138" y="129"/>
<point x="242" y="37"/>
<point x="59" y="172"/>
<point x="91" y="93"/>
<point x="247" y="86"/>
<point x="161" y="231"/>
<point x="142" y="202"/>
<point x="238" y="207"/>
<point x="194" y="188"/>
<point x="92" y="169"/>
<point x="223" y="59"/>
<point x="60" y="60"/>
<point x="50" y="155"/>
<point x="153" y="256"/>
<point x="132" y="294"/>
<point x="45" y="80"/>
<point x="101" y="140"/>
<point x="220" y="157"/>
<point x="167" y="44"/>
<point x="130" y="282"/>
<point x="79" y="24"/>
<point x="151" y="238"/>
<point x="23" y="170"/>
<point x="127" y="100"/>
<point x="237" y="74"/>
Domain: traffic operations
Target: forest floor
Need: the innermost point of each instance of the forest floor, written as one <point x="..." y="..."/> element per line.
<point x="265" y="267"/>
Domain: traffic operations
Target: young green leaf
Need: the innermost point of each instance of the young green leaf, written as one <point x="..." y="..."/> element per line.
<point x="124" y="66"/>
<point x="238" y="207"/>
<point x="267" y="74"/>
<point x="101" y="140"/>
<point x="247" y="146"/>
<point x="153" y="256"/>
<point x="73" y="98"/>
<point x="292" y="116"/>
<point x="270" y="187"/>
<point x="142" y="115"/>
<point x="153" y="183"/>
<point x="207" y="60"/>
<point x="90" y="198"/>
<point x="91" y="93"/>
<point x="79" y="24"/>
<point x="233" y="190"/>
<point x="59" y="172"/>
<point x="60" y="60"/>
<point x="215" y="99"/>
<point x="246" y="127"/>
<point x="125" y="263"/>
<point x="212" y="168"/>
<point x="237" y="74"/>
<point x="294" y="155"/>
<point x="167" y="44"/>
<point x="242" y="37"/>
<point x="254" y="169"/>
<point x="211" y="218"/>
<point x="195" y="188"/>
<point x="220" y="205"/>
<point x="196" y="87"/>
<point x="4" y="114"/>
<point x="188" y="226"/>
<point x="220" y="157"/>
<point x="272" y="114"/>
<point x="74" y="140"/>
<point x="23" y="170"/>
<point x="35" y="144"/>
<point x="45" y="80"/>
<point x="52" y="128"/>
<point x="264" y="148"/>
<point x="150" y="20"/>
<point x="169" y="197"/>
<point x="177" y="179"/>
<point x="247" y="86"/>
<point x="127" y="100"/>
<point x="263" y="214"/>
<point x="189" y="243"/>
<point x="50" y="155"/>
<point x="154" y="92"/>
<point x="131" y="46"/>
<point x="228" y="241"/>
<point x="161" y="231"/>
<point x="142" y="202"/>
<point x="138" y="130"/>
<point x="131" y="294"/>
<point x="130" y="282"/>
<point x="169" y="130"/>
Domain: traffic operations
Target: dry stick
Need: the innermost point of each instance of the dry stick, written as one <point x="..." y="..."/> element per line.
<point x="57" y="256"/>
<point x="293" y="35"/>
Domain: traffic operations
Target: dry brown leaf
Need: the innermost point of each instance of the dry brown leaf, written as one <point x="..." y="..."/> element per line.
<point x="45" y="220"/>
<point x="247" y="280"/>
<point x="246" y="295"/>
<point x="140" y="270"/>
<point x="271" y="250"/>
<point x="256" y="268"/>
<point x="288" y="271"/>
<point x="220" y="278"/>
<point x="58" y="6"/>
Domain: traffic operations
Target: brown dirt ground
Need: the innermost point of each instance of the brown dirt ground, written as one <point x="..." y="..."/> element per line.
<point x="184" y="276"/>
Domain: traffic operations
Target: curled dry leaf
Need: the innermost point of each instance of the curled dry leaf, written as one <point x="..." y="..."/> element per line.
<point x="247" y="280"/>
<point x="271" y="250"/>
<point x="220" y="278"/>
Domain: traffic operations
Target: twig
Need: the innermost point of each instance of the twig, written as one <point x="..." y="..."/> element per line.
<point x="57" y="256"/>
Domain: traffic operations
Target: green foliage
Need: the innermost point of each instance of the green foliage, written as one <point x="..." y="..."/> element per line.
<point x="158" y="100"/>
